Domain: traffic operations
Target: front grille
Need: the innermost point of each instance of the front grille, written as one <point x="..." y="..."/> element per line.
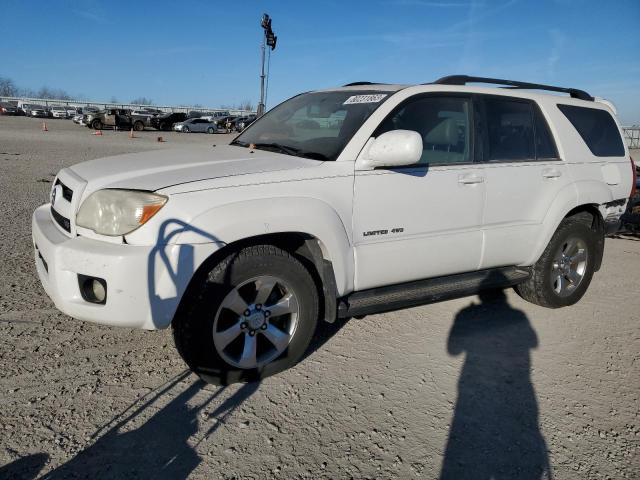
<point x="60" y="220"/>
<point x="67" y="193"/>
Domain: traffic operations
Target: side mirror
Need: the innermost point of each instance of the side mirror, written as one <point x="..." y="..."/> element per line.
<point x="396" y="148"/>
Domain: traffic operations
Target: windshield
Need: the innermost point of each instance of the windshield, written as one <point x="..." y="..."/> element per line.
<point x="313" y="125"/>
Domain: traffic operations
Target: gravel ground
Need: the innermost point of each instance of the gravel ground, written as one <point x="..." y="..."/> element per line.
<point x="471" y="388"/>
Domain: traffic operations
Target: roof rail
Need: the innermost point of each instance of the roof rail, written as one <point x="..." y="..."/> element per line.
<point x="464" y="79"/>
<point x="353" y="84"/>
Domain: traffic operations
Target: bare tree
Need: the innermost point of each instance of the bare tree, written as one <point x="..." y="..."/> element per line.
<point x="8" y="88"/>
<point x="246" y="105"/>
<point x="142" y="101"/>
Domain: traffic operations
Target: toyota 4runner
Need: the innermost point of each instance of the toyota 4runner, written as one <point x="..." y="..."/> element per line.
<point x="338" y="203"/>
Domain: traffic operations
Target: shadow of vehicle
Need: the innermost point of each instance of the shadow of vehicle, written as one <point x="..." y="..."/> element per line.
<point x="494" y="433"/>
<point x="25" y="468"/>
<point x="164" y="446"/>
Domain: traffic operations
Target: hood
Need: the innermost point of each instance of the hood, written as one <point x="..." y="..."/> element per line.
<point x="158" y="169"/>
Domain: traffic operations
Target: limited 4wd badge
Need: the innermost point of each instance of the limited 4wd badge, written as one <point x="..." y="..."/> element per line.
<point x="382" y="232"/>
<point x="364" y="98"/>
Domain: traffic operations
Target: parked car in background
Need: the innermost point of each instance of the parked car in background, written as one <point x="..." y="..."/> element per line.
<point x="195" y="125"/>
<point x="38" y="111"/>
<point x="8" y="109"/>
<point x="25" y="108"/>
<point x="225" y="122"/>
<point x="244" y="122"/>
<point x="71" y="111"/>
<point x="165" y="121"/>
<point x="58" y="111"/>
<point x="111" y="117"/>
<point x="143" y="113"/>
<point x="83" y="112"/>
<point x="211" y="116"/>
<point x="194" y="114"/>
<point x="141" y="118"/>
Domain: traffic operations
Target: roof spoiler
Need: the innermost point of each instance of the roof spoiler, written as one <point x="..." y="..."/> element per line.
<point x="464" y="79"/>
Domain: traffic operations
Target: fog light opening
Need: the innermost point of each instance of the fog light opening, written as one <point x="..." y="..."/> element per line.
<point x="93" y="289"/>
<point x="98" y="290"/>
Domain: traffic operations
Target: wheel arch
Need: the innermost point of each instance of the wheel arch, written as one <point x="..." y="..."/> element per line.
<point x="309" y="250"/>
<point x="588" y="213"/>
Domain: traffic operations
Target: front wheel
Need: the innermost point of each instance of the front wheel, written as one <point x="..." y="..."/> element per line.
<point x="563" y="273"/>
<point x="252" y="315"/>
<point x="96" y="125"/>
<point x="138" y="126"/>
<point x="185" y="129"/>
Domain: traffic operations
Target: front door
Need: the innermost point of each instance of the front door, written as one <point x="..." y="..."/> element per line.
<point x="425" y="220"/>
<point x="110" y="118"/>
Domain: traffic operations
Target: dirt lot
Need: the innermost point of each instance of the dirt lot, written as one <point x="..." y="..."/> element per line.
<point x="491" y="388"/>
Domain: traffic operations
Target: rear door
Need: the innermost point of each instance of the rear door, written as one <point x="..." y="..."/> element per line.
<point x="524" y="174"/>
<point x="424" y="220"/>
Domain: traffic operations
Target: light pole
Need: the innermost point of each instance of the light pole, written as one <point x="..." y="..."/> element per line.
<point x="269" y="40"/>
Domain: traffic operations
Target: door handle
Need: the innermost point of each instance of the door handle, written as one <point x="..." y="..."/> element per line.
<point x="470" y="179"/>
<point x="551" y="173"/>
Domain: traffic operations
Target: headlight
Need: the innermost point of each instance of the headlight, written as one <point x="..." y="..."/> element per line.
<point x="117" y="212"/>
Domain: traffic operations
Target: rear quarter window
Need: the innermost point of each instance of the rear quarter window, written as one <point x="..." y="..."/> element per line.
<point x="597" y="128"/>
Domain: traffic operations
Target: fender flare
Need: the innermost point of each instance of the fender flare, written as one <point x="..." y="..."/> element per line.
<point x="250" y="218"/>
<point x="577" y="194"/>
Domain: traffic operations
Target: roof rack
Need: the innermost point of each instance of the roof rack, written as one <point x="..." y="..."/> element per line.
<point x="464" y="79"/>
<point x="353" y="84"/>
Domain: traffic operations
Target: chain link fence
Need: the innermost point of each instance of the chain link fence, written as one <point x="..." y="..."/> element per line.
<point x="47" y="102"/>
<point x="632" y="136"/>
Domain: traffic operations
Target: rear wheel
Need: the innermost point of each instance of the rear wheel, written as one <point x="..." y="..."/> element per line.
<point x="210" y="130"/>
<point x="563" y="273"/>
<point x="253" y="315"/>
<point x="96" y="125"/>
<point x="138" y="126"/>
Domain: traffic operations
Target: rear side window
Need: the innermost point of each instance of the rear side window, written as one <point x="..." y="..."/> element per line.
<point x="597" y="128"/>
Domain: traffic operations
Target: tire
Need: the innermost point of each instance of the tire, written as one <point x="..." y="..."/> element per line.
<point x="549" y="284"/>
<point x="205" y="314"/>
<point x="163" y="126"/>
<point x="138" y="126"/>
<point x="210" y="130"/>
<point x="96" y="125"/>
<point x="185" y="129"/>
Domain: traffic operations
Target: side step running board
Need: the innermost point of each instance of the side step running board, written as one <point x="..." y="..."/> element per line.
<point x="421" y="292"/>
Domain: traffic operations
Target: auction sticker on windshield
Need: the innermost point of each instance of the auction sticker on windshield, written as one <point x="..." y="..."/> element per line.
<point x="364" y="98"/>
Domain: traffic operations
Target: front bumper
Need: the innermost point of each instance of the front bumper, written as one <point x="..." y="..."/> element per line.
<point x="144" y="283"/>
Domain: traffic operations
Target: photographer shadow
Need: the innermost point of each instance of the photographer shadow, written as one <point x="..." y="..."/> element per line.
<point x="494" y="433"/>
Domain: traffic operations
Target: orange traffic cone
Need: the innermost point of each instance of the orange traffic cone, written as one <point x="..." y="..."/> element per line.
<point x="160" y="139"/>
<point x="98" y="133"/>
<point x="44" y="127"/>
<point x="131" y="135"/>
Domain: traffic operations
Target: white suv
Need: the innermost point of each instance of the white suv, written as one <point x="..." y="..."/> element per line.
<point x="338" y="203"/>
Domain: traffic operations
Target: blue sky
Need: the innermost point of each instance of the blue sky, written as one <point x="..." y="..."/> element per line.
<point x="207" y="52"/>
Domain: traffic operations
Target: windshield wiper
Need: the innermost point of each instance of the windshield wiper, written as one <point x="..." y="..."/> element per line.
<point x="297" y="152"/>
<point x="279" y="148"/>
